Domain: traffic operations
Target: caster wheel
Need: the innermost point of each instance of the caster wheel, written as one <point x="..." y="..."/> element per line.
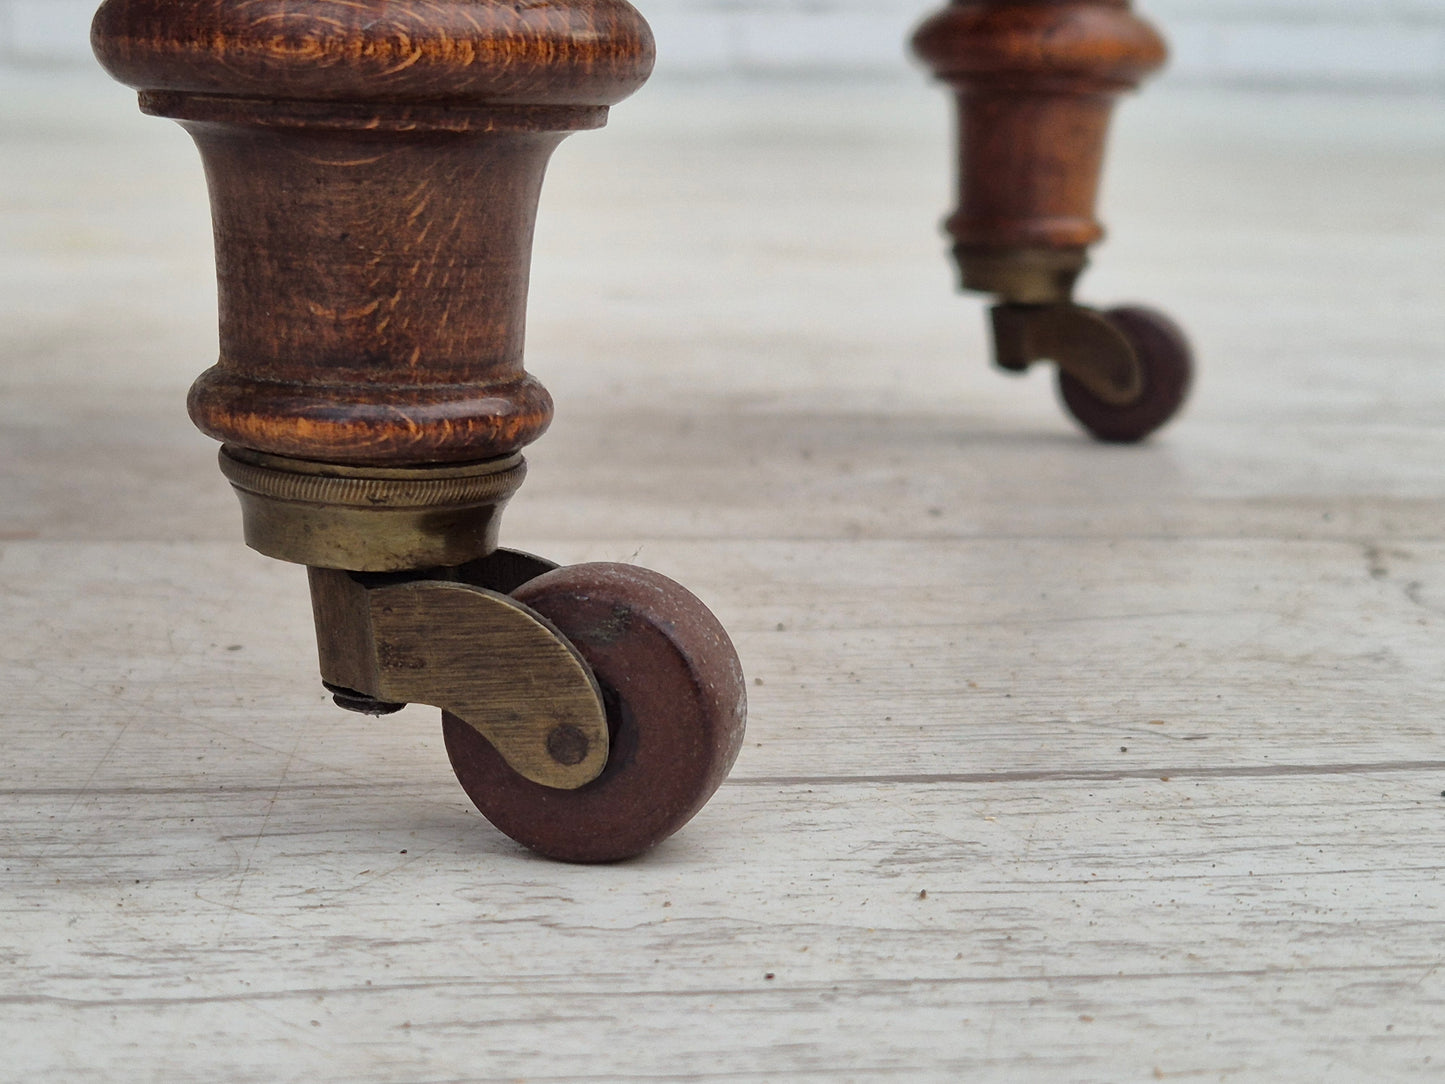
<point x="1168" y="367"/>
<point x="676" y="707"/>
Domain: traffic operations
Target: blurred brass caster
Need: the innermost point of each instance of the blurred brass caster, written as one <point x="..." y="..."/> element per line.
<point x="1083" y="343"/>
<point x="476" y="653"/>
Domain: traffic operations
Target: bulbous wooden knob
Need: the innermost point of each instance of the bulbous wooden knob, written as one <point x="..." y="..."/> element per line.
<point x="543" y="52"/>
<point x="1082" y="44"/>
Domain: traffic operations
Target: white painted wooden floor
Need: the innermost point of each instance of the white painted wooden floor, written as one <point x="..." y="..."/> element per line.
<point x="1066" y="763"/>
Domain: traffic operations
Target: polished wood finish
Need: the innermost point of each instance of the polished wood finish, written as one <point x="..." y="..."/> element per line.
<point x="374" y="170"/>
<point x="1036" y="82"/>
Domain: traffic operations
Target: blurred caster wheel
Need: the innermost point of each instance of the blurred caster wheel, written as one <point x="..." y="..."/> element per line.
<point x="1167" y="365"/>
<point x="676" y="708"/>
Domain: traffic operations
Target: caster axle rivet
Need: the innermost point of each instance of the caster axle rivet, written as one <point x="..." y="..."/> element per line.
<point x="568" y="745"/>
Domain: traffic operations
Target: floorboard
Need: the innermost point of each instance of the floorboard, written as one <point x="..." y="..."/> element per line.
<point x="1065" y="763"/>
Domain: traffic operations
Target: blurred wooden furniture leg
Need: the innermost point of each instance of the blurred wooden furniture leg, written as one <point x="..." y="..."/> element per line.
<point x="1036" y="82"/>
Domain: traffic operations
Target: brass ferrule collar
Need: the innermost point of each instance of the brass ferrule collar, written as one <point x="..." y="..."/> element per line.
<point x="370" y="519"/>
<point x="1022" y="276"/>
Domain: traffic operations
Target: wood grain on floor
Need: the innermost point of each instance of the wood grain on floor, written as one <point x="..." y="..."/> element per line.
<point x="1065" y="763"/>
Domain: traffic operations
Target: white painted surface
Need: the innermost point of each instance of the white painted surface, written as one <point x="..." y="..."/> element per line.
<point x="1383" y="43"/>
<point x="958" y="616"/>
<point x="46" y="30"/>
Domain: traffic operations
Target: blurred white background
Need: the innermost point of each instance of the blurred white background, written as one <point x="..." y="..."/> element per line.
<point x="1308" y="43"/>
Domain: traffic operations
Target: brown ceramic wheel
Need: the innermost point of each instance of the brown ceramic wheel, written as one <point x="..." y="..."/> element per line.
<point x="676" y="706"/>
<point x="1168" y="369"/>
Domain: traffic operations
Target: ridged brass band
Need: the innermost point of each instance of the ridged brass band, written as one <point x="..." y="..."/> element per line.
<point x="370" y="519"/>
<point x="1022" y="276"/>
<point x="368" y="487"/>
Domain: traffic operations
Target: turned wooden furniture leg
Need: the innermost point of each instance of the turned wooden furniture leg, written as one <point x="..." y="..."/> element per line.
<point x="1036" y="82"/>
<point x="374" y="168"/>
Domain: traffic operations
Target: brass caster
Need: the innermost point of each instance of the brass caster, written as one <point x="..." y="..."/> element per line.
<point x="588" y="715"/>
<point x="476" y="653"/>
<point x="1122" y="374"/>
